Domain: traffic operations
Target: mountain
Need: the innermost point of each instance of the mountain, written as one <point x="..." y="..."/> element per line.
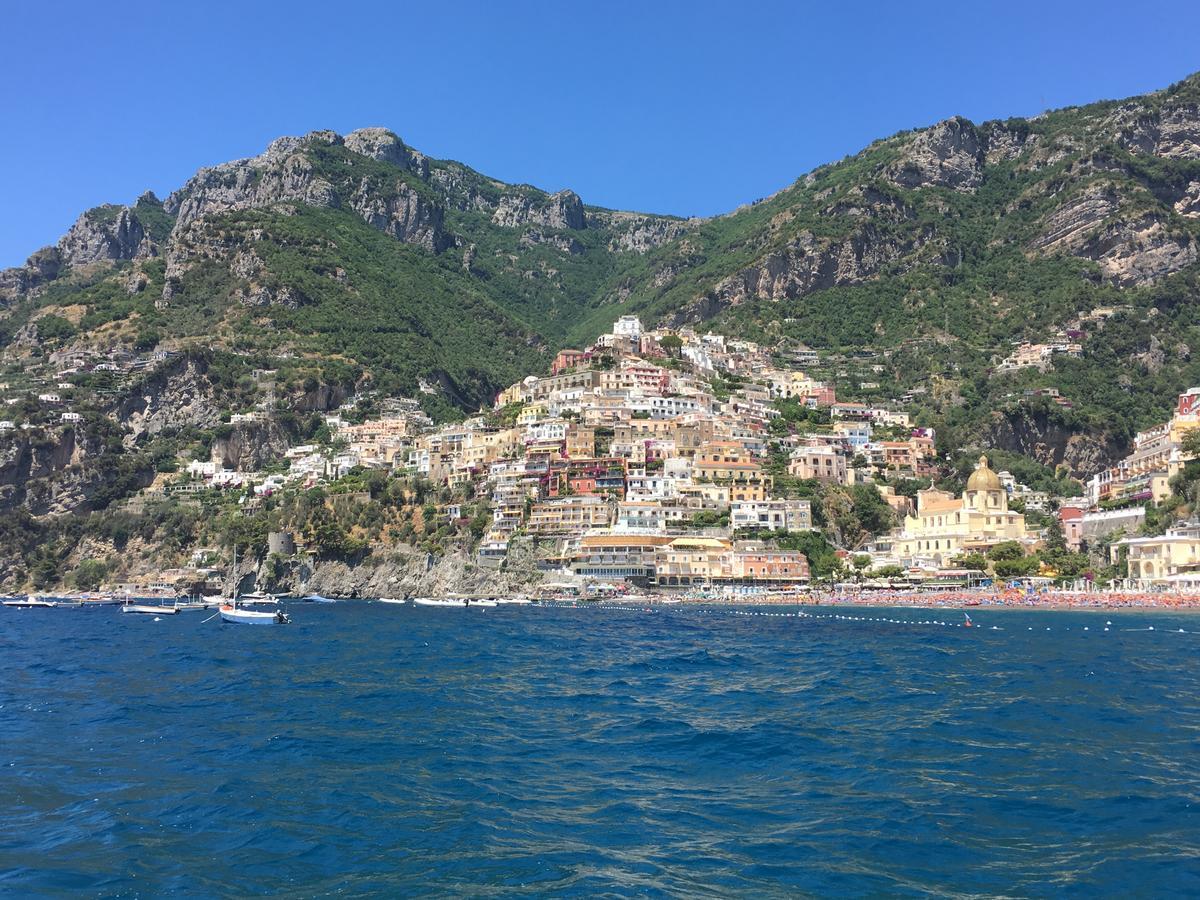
<point x="362" y="261"/>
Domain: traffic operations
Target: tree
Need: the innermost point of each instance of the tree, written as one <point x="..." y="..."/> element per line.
<point x="1006" y="550"/>
<point x="1056" y="541"/>
<point x="672" y="344"/>
<point x="976" y="561"/>
<point x="89" y="574"/>
<point x="1016" y="568"/>
<point x="1190" y="444"/>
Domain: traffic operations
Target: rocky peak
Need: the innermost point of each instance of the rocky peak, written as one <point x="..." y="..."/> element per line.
<point x="105" y="234"/>
<point x="563" y="209"/>
<point x="949" y="154"/>
<point x="385" y="146"/>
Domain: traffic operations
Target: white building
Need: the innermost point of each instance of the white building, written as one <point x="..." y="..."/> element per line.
<point x="774" y="515"/>
<point x="628" y="326"/>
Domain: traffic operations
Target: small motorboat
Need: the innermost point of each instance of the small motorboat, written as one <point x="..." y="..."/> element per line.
<point x="514" y="601"/>
<point x="194" y="605"/>
<point x="398" y="601"/>
<point x="258" y="598"/>
<point x="317" y="598"/>
<point x="459" y="602"/>
<point x="232" y="612"/>
<point x="149" y="610"/>
<point x="29" y="603"/>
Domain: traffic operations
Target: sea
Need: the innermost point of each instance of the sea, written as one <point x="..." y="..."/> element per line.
<point x="369" y="749"/>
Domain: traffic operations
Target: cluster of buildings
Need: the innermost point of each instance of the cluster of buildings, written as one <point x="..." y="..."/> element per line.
<point x="1156" y="457"/>
<point x="654" y="456"/>
<point x="650" y="456"/>
<point x="944" y="527"/>
<point x="1040" y="356"/>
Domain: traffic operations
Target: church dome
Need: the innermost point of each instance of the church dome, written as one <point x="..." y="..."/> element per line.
<point x="983" y="478"/>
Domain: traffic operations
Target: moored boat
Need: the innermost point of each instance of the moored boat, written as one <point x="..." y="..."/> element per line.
<point x="149" y="610"/>
<point x="398" y="601"/>
<point x="102" y="600"/>
<point x="29" y="603"/>
<point x="231" y="612"/>
<point x="454" y="600"/>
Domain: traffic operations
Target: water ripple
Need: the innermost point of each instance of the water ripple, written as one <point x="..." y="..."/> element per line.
<point x="373" y="749"/>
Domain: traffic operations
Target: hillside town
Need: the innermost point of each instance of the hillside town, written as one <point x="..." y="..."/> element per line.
<point x="669" y="458"/>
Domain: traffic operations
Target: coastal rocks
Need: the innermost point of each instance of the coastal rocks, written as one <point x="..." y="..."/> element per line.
<point x="947" y="154"/>
<point x="561" y="210"/>
<point x="104" y="235"/>
<point x="400" y="571"/>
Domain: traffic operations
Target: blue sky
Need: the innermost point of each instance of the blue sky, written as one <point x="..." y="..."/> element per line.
<point x="689" y="108"/>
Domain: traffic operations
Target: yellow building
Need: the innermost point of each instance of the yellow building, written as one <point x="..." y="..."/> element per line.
<point x="690" y="560"/>
<point x="1165" y="559"/>
<point x="569" y="515"/>
<point x="944" y="526"/>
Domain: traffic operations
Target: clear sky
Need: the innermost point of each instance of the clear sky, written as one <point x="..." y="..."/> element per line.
<point x="689" y="108"/>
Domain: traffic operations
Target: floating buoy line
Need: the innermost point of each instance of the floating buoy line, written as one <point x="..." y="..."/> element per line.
<point x="880" y="620"/>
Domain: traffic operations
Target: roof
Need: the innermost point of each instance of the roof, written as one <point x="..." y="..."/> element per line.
<point x="711" y="543"/>
<point x="983" y="478"/>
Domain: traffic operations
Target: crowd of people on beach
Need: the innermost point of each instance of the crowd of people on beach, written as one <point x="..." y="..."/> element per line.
<point x="1048" y="598"/>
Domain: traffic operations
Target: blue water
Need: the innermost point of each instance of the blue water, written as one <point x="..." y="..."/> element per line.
<point x="375" y="749"/>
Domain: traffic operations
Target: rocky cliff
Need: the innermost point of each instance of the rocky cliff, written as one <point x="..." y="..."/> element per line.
<point x="971" y="236"/>
<point x="54" y="471"/>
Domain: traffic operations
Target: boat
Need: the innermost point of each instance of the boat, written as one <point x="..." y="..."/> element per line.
<point x="395" y="600"/>
<point x="193" y="605"/>
<point x="453" y="601"/>
<point x="149" y="610"/>
<point x="317" y="598"/>
<point x="258" y="598"/>
<point x="29" y="603"/>
<point x="232" y="612"/>
<point x="103" y="600"/>
<point x="233" y="609"/>
<point x="514" y="601"/>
